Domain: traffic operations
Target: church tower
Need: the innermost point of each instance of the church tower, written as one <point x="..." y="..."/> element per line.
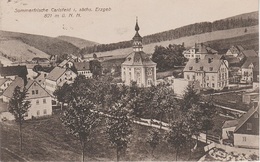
<point x="137" y="39"/>
<point x="138" y="67"/>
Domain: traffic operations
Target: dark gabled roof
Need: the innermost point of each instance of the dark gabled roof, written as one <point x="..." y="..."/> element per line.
<point x="81" y="66"/>
<point x="251" y="60"/>
<point x="246" y="116"/>
<point x="204" y="64"/>
<point x="232" y="59"/>
<point x="249" y="53"/>
<point x="138" y="58"/>
<point x="20" y="83"/>
<point x="56" y="73"/>
<point x="19" y="70"/>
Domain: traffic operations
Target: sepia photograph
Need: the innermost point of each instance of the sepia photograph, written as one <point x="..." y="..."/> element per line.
<point x="120" y="80"/>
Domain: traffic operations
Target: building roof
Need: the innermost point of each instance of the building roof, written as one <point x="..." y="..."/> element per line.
<point x="232" y="59"/>
<point x="3" y="80"/>
<point x="246" y="116"/>
<point x="138" y="58"/>
<point x="249" y="53"/>
<point x="19" y="70"/>
<point x="210" y="63"/>
<point x="40" y="78"/>
<point x="56" y="73"/>
<point x="236" y="49"/>
<point x="20" y="83"/>
<point x="81" y="66"/>
<point x="251" y="60"/>
<point x="230" y="123"/>
<point x="64" y="62"/>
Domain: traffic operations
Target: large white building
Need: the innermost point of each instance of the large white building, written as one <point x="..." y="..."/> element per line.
<point x="138" y="66"/>
<point x="57" y="77"/>
<point x="40" y="99"/>
<point x="211" y="72"/>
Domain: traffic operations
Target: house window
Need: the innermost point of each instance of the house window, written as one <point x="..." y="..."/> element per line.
<point x="201" y="68"/>
<point x="207" y="77"/>
<point x="244" y="139"/>
<point x="188" y="77"/>
<point x="44" y="101"/>
<point x="213" y="85"/>
<point x="36" y="91"/>
<point x="212" y="78"/>
<point x="44" y="111"/>
<point x="38" y="112"/>
<point x="193" y="76"/>
<point x="190" y="68"/>
<point x="37" y="102"/>
<point x="211" y="68"/>
<point x="249" y="126"/>
<point x="207" y="84"/>
<point x="33" y="92"/>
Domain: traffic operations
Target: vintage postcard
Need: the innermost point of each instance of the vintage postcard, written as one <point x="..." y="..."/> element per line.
<point x="139" y="80"/>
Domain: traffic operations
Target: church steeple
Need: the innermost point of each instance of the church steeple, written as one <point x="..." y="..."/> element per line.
<point x="137" y="39"/>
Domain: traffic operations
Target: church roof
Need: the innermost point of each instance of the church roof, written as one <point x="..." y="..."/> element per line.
<point x="138" y="58"/>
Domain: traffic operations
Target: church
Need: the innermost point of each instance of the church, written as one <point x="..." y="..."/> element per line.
<point x="138" y="66"/>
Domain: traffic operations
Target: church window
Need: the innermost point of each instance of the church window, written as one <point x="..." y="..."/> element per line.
<point x="149" y="71"/>
<point x="149" y="82"/>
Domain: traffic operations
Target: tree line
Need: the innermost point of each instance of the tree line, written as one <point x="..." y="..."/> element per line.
<point x="92" y="101"/>
<point x="193" y="29"/>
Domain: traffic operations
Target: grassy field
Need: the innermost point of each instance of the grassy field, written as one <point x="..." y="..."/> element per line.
<point x="46" y="140"/>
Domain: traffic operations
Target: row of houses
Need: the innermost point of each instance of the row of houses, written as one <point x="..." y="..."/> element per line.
<point x="40" y="84"/>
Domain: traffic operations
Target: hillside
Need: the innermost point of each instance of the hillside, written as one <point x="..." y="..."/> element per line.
<point x="252" y="15"/>
<point x="239" y="21"/>
<point x="47" y="45"/>
<point x="78" y="42"/>
<point x="43" y="141"/>
<point x="189" y="41"/>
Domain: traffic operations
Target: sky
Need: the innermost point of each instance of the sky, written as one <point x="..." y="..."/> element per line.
<point x="118" y="21"/>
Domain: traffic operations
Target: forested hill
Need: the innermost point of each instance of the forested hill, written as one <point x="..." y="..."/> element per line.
<point x="244" y="20"/>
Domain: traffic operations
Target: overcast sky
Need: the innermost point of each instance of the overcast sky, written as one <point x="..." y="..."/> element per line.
<point x="118" y="23"/>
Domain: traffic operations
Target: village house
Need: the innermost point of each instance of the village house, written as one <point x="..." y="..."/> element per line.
<point x="138" y="66"/>
<point x="40" y="99"/>
<point x="198" y="51"/>
<point x="211" y="72"/>
<point x="243" y="132"/>
<point x="247" y="69"/>
<point x="247" y="54"/>
<point x="234" y="50"/>
<point x="57" y="77"/>
<point x="4" y="83"/>
<point x="83" y="68"/>
<point x="13" y="71"/>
